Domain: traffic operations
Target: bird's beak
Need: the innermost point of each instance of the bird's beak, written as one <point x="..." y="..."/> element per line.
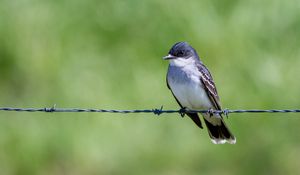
<point x="169" y="57"/>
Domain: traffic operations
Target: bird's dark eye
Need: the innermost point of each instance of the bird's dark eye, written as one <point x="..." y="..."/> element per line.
<point x="180" y="53"/>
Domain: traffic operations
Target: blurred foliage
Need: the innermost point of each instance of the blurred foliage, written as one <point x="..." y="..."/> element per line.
<point x="107" y="54"/>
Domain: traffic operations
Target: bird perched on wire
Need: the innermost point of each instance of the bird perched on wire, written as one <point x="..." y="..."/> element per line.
<point x="193" y="88"/>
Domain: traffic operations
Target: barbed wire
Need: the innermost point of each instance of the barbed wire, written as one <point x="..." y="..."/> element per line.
<point x="156" y="111"/>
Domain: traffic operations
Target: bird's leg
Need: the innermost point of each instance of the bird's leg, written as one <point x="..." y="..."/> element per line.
<point x="182" y="111"/>
<point x="210" y="112"/>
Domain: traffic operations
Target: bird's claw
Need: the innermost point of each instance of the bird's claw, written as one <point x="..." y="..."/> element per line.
<point x="210" y="112"/>
<point x="182" y="111"/>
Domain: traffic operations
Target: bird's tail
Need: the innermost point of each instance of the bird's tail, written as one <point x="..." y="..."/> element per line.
<point x="219" y="132"/>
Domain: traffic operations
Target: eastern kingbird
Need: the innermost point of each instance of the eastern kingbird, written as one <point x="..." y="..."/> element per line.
<point x="193" y="88"/>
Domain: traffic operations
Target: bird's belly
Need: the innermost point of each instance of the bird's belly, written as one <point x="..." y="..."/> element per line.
<point x="191" y="94"/>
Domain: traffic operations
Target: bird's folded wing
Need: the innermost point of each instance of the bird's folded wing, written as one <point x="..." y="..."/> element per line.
<point x="209" y="86"/>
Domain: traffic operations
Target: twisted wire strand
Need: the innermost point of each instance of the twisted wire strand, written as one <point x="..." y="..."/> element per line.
<point x="156" y="111"/>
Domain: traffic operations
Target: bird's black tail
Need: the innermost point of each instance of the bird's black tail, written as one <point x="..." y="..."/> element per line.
<point x="219" y="133"/>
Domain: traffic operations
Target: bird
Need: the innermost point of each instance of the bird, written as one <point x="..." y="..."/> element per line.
<point x="194" y="89"/>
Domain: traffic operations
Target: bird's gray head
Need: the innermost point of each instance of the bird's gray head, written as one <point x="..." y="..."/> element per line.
<point x="181" y="50"/>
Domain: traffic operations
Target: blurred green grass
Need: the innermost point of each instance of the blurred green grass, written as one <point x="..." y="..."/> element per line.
<point x="107" y="54"/>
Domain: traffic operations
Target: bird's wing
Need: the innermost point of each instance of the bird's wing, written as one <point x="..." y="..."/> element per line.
<point x="209" y="86"/>
<point x="193" y="116"/>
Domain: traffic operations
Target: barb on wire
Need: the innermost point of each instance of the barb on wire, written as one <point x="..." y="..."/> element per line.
<point x="156" y="111"/>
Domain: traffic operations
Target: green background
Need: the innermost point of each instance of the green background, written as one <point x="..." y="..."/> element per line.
<point x="108" y="54"/>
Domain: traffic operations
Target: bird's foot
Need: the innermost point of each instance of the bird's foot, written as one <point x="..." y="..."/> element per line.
<point x="210" y="112"/>
<point x="182" y="111"/>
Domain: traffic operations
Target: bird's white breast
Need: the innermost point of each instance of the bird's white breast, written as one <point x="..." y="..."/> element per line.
<point x="185" y="83"/>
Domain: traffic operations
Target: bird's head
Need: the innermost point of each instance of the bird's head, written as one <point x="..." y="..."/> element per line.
<point x="182" y="52"/>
